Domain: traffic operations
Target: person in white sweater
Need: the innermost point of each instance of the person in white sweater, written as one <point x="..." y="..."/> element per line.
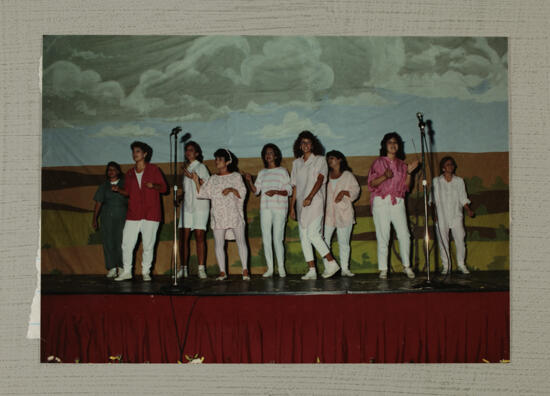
<point x="342" y="190"/>
<point x="273" y="182"/>
<point x="449" y="196"/>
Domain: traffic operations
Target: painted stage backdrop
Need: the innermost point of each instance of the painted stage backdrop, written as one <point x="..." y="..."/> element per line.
<point x="100" y="93"/>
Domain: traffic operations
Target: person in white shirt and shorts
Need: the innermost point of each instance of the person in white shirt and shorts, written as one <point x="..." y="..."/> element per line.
<point x="194" y="213"/>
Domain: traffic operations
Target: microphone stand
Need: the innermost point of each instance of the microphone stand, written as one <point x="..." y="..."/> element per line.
<point x="422" y="126"/>
<point x="428" y="283"/>
<point x="174" y="287"/>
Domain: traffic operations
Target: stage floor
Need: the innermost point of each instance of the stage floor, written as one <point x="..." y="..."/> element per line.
<point x="482" y="281"/>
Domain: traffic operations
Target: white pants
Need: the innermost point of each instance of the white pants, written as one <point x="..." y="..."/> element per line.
<point x="148" y="230"/>
<point x="442" y="234"/>
<point x="311" y="235"/>
<point x="385" y="214"/>
<point x="276" y="220"/>
<point x="219" y="242"/>
<point x="344" y="236"/>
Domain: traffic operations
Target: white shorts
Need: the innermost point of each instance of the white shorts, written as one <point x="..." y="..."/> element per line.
<point x="194" y="220"/>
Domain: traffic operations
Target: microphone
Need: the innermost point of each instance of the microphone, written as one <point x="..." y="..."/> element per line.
<point x="420" y="117"/>
<point x="185" y="137"/>
<point x="175" y="131"/>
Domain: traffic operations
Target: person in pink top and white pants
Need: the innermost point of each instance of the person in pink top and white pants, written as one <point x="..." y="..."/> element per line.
<point x="388" y="181"/>
<point x="342" y="190"/>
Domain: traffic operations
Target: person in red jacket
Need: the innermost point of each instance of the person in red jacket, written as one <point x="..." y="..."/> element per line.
<point x="144" y="184"/>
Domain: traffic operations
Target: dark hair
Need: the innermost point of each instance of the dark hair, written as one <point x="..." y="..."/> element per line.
<point x="276" y="151"/>
<point x="344" y="162"/>
<point x="228" y="156"/>
<point x="442" y="162"/>
<point x="148" y="150"/>
<point x="197" y="149"/>
<point x="114" y="165"/>
<point x="384" y="150"/>
<point x="317" y="148"/>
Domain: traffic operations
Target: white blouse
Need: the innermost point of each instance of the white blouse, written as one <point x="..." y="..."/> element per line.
<point x="304" y="176"/>
<point x="190" y="202"/>
<point x="450" y="198"/>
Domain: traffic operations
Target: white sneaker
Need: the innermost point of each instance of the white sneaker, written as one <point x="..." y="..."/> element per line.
<point x="202" y="272"/>
<point x="246" y="277"/>
<point x="347" y="272"/>
<point x="183" y="272"/>
<point x="124" y="276"/>
<point x="268" y="274"/>
<point x="383" y="274"/>
<point x="282" y="272"/>
<point x="409" y="272"/>
<point x="331" y="268"/>
<point x="112" y="273"/>
<point x="463" y="269"/>
<point x="146" y="277"/>
<point x="311" y="274"/>
<point x="221" y="277"/>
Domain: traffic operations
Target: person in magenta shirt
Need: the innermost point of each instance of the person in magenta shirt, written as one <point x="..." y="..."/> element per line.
<point x="388" y="181"/>
<point x="144" y="184"/>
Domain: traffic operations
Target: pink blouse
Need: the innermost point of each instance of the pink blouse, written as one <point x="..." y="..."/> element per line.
<point x="341" y="214"/>
<point x="394" y="187"/>
<point x="226" y="211"/>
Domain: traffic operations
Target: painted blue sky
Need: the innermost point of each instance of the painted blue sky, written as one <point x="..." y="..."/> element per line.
<point x="100" y="93"/>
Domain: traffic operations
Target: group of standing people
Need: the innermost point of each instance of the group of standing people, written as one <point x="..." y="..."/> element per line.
<point x="321" y="190"/>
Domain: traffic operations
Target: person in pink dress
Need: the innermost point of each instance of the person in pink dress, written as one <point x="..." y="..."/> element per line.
<point x="226" y="192"/>
<point x="388" y="181"/>
<point x="308" y="179"/>
<point x="342" y="190"/>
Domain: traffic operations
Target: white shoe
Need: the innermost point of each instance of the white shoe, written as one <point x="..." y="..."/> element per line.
<point x="347" y="272"/>
<point x="202" y="272"/>
<point x="383" y="274"/>
<point x="124" y="276"/>
<point x="282" y="272"/>
<point x="246" y="277"/>
<point x="463" y="269"/>
<point x="268" y="274"/>
<point x="331" y="268"/>
<point x="409" y="272"/>
<point x="112" y="273"/>
<point x="183" y="272"/>
<point x="146" y="277"/>
<point x="221" y="277"/>
<point x="311" y="274"/>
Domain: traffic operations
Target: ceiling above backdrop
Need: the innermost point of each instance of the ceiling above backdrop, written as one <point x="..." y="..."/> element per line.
<point x="100" y="93"/>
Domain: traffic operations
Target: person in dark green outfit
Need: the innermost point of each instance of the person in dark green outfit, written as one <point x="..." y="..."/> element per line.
<point x="111" y="209"/>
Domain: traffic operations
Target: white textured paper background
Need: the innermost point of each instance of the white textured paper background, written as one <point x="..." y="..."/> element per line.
<point x="526" y="23"/>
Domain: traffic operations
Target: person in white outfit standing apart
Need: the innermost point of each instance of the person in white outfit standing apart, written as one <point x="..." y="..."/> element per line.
<point x="226" y="192"/>
<point x="449" y="196"/>
<point x="342" y="190"/>
<point x="194" y="212"/>
<point x="388" y="181"/>
<point x="308" y="179"/>
<point x="273" y="182"/>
